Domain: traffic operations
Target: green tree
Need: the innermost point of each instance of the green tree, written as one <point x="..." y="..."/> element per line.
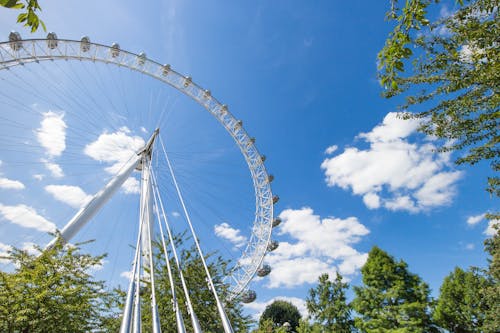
<point x="391" y="298"/>
<point x="52" y="292"/>
<point x="492" y="292"/>
<point x="306" y="327"/>
<point x="327" y="305"/>
<point x="201" y="296"/>
<point x="453" y="83"/>
<point x="29" y="15"/>
<point x="461" y="307"/>
<point x="268" y="326"/>
<point x="281" y="312"/>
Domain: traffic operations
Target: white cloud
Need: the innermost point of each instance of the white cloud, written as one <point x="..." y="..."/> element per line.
<point x="475" y="219"/>
<point x="176" y="214"/>
<point x="4" y="251"/>
<point x="401" y="203"/>
<point x="490" y="230"/>
<point x="331" y="149"/>
<point x="73" y="196"/>
<point x="319" y="246"/>
<point x="26" y="217"/>
<point x="114" y="148"/>
<point x="38" y="176"/>
<point x="131" y="186"/>
<point x="54" y="168"/>
<point x="52" y="136"/>
<point x="444" y="11"/>
<point x="392" y="128"/>
<point x="258" y="307"/>
<point x="26" y="246"/>
<point x="30" y="247"/>
<point x="126" y="275"/>
<point x="52" y="133"/>
<point x="98" y="266"/>
<point x="469" y="246"/>
<point x="393" y="172"/>
<point x="466" y="53"/>
<point x="225" y="231"/>
<point x="371" y="200"/>
<point x="10" y="184"/>
<point x="438" y="190"/>
<point x="289" y="271"/>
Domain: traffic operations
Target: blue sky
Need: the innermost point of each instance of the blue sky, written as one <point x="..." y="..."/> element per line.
<point x="302" y="77"/>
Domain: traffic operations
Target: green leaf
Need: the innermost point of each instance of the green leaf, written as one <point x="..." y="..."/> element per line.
<point x="22" y="17"/>
<point x="14" y="4"/>
<point x="456" y="99"/>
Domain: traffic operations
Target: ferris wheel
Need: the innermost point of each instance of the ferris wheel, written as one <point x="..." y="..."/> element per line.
<point x="79" y="88"/>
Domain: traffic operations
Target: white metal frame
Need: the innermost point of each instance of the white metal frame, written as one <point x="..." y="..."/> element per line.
<point x="15" y="53"/>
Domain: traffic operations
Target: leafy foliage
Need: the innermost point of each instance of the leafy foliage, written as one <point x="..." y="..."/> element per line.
<point x="29" y="17"/>
<point x="201" y="296"/>
<point x="52" y="292"/>
<point x="281" y="312"/>
<point x="306" y="327"/>
<point x="328" y="306"/>
<point x="392" y="299"/>
<point x="454" y="77"/>
<point x="55" y="292"/>
<point x="492" y="292"/>
<point x="461" y="307"/>
<point x="265" y="326"/>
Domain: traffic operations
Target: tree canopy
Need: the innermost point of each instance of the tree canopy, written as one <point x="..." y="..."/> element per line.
<point x="328" y="307"/>
<point x="492" y="292"/>
<point x="201" y="296"/>
<point x="453" y="82"/>
<point x="281" y="312"/>
<point x="55" y="292"/>
<point x="461" y="306"/>
<point x="52" y="292"/>
<point x="391" y="298"/>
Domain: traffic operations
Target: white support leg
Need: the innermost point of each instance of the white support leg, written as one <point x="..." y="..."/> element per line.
<point x="88" y="211"/>
<point x="136" y="325"/>
<point x="147" y="218"/>
<point x="100" y="198"/>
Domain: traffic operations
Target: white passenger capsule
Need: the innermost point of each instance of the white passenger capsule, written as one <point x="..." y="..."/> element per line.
<point x="238" y="124"/>
<point x="276" y="199"/>
<point x="51" y="40"/>
<point x="249" y="296"/>
<point x="16" y="42"/>
<point x="115" y="50"/>
<point x="273" y="245"/>
<point x="141" y="59"/>
<point x="264" y="270"/>
<point x="165" y="69"/>
<point x="223" y="109"/>
<point x="85" y="44"/>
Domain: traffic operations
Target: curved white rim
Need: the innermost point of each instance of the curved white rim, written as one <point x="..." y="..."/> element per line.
<point x="17" y="53"/>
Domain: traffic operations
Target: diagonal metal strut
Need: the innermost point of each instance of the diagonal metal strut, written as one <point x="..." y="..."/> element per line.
<point x="87" y="212"/>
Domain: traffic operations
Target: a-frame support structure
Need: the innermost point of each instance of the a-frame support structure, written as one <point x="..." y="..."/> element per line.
<point x="143" y="258"/>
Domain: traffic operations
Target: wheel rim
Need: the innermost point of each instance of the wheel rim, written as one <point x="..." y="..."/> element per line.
<point x="20" y="52"/>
